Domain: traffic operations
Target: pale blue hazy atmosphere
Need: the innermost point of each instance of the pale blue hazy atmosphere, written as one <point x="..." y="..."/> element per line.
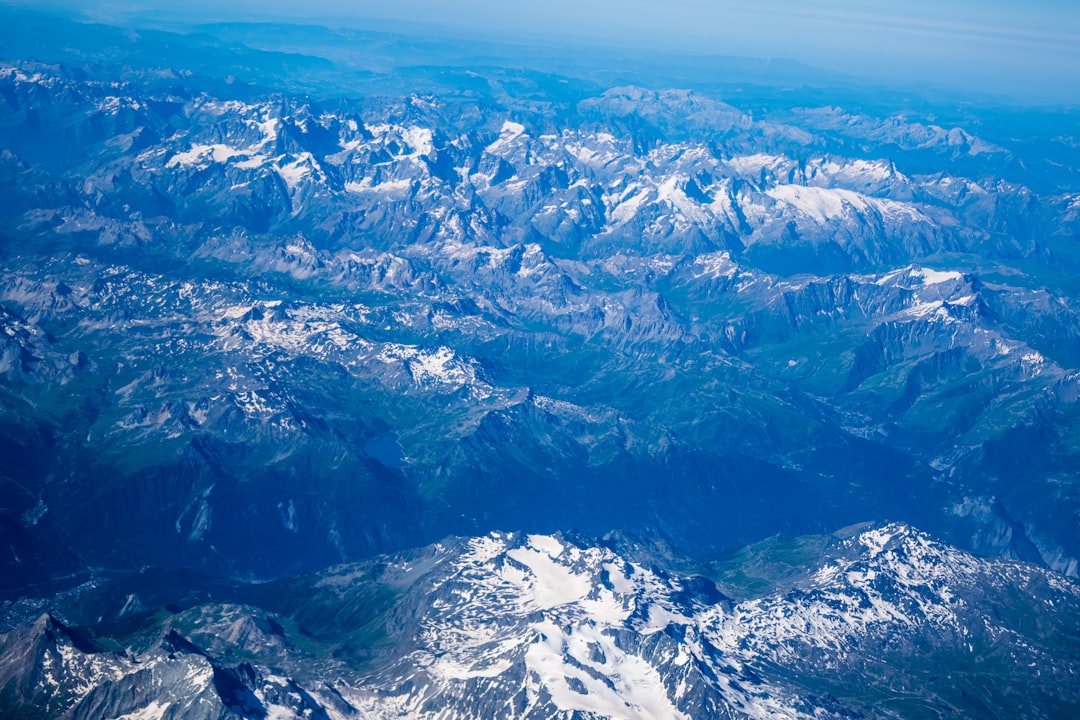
<point x="1029" y="51"/>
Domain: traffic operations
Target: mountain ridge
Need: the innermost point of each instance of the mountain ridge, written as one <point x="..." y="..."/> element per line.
<point x="557" y="625"/>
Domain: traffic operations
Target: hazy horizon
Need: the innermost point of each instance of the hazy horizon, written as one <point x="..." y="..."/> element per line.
<point x="1030" y="53"/>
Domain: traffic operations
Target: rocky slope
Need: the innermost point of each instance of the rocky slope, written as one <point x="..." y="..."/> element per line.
<point x="871" y="622"/>
<point x="293" y="330"/>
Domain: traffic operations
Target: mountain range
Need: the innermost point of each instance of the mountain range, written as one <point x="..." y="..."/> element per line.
<point x="873" y="621"/>
<point x="265" y="311"/>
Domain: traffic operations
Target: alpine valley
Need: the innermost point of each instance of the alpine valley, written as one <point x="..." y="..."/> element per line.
<point x="707" y="388"/>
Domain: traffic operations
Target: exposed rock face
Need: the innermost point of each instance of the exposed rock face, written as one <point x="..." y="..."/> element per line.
<point x="508" y="625"/>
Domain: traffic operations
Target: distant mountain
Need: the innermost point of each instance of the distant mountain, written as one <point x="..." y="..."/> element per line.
<point x="292" y="333"/>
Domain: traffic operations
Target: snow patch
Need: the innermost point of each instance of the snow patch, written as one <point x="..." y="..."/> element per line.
<point x="714" y="266"/>
<point x="548" y="584"/>
<point x="390" y="187"/>
<point x="825" y="204"/>
<point x="204" y="155"/>
<point x="154" y="711"/>
<point x="935" y="277"/>
<point x="630" y="688"/>
<point x="510" y="132"/>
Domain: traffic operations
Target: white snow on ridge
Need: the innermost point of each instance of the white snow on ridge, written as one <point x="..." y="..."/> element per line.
<point x="203" y="155"/>
<point x="548" y="583"/>
<point x="269" y="129"/>
<point x="935" y="309"/>
<point x="237" y="311"/>
<point x="870" y="169"/>
<point x="296" y="170"/>
<point x="437" y="366"/>
<point x="876" y="540"/>
<point x="483" y="549"/>
<point x="754" y="164"/>
<point x="154" y="711"/>
<point x="825" y="204"/>
<point x="112" y="104"/>
<point x="625" y="206"/>
<point x="218" y="108"/>
<point x="636" y="689"/>
<point x="936" y="277"/>
<point x="390" y="187"/>
<point x="546" y="544"/>
<point x="297" y="332"/>
<point x="546" y="590"/>
<point x="671" y="192"/>
<point x="553" y="628"/>
<point x="715" y="265"/>
<point x="864" y="172"/>
<point x="1033" y="363"/>
<point x="820" y="204"/>
<point x="608" y="151"/>
<point x="510" y="132"/>
<point x="19" y="76"/>
<point x="440" y="366"/>
<point x="421" y="140"/>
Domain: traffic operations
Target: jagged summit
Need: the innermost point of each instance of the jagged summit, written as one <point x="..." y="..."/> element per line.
<point x="520" y="625"/>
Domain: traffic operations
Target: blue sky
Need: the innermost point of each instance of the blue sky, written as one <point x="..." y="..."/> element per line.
<point x="1029" y="50"/>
